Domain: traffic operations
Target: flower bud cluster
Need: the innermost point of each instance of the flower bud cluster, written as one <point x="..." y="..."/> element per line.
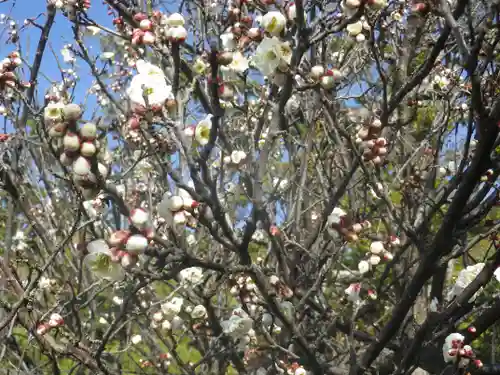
<point x="56" y="320"/>
<point x="373" y="146"/>
<point x="77" y="147"/>
<point x="339" y="223"/>
<point x="8" y="76"/>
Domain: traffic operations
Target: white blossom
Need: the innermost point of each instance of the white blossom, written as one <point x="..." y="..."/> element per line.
<point x="465" y="277"/>
<point x="149" y="83"/>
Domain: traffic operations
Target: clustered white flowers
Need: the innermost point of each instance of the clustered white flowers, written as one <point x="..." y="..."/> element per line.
<point x="378" y="252"/>
<point x="178" y="210"/>
<point x="149" y="86"/>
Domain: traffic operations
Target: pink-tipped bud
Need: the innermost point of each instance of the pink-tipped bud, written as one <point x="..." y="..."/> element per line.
<point x="382" y="151"/>
<point x="388" y="256"/>
<point x="81" y="166"/>
<point x="42" y="329"/>
<point x="88" y="149"/>
<point x="118" y="238"/>
<point x="189" y="204"/>
<point x="370" y="143"/>
<point x="134" y="123"/>
<point x="148" y="38"/>
<point x="381" y="142"/>
<point x="372" y="294"/>
<point x="136" y="243"/>
<point x="71" y="142"/>
<point x="179" y="218"/>
<point x="149" y="233"/>
<point x="472" y="329"/>
<point x="140" y="17"/>
<point x="478" y="363"/>
<point x="146" y="25"/>
<point x="56" y="320"/>
<point x="158" y="316"/>
<point x="175" y="203"/>
<point x="139" y="218"/>
<point x="357" y="228"/>
<point x="377" y="247"/>
<point x="377" y="124"/>
<point x="88" y="131"/>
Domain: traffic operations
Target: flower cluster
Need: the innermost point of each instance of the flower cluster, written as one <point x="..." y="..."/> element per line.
<point x="339" y="223"/>
<point x="455" y="351"/>
<point x="378" y="251"/>
<point x="7" y="72"/>
<point x="244" y="288"/>
<point x="373" y="146"/>
<point x="108" y="258"/>
<point x="178" y="209"/>
<point x="56" y="320"/>
<point x="326" y="77"/>
<point x="147" y="89"/>
<point x="353" y="291"/>
<point x="78" y="147"/>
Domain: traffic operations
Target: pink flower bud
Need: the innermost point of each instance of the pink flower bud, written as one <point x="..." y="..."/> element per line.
<point x="134" y="123"/>
<point x="88" y="149"/>
<point x="71" y="142"/>
<point x="118" y="237"/>
<point x="139" y="218"/>
<point x="136" y="243"/>
<point x="372" y="294"/>
<point x="42" y="329"/>
<point x="140" y="17"/>
<point x="146" y="25"/>
<point x="189" y="204"/>
<point x="179" y="218"/>
<point x="148" y="38"/>
<point x="478" y="363"/>
<point x="178" y="34"/>
<point x="81" y="166"/>
<point x="388" y="256"/>
<point x="472" y="329"/>
<point x="57" y="130"/>
<point x="382" y="151"/>
<point x="357" y="228"/>
<point x="56" y="320"/>
<point x="88" y="131"/>
<point x="381" y="142"/>
<point x="175" y="203"/>
<point x="377" y="247"/>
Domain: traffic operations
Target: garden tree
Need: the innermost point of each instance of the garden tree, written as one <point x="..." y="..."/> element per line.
<point x="247" y="187"/>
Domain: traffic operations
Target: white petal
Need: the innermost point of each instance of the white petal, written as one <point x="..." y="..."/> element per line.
<point x="98" y="246"/>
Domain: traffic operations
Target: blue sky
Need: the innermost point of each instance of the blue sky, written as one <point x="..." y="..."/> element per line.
<point x="60" y="35"/>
